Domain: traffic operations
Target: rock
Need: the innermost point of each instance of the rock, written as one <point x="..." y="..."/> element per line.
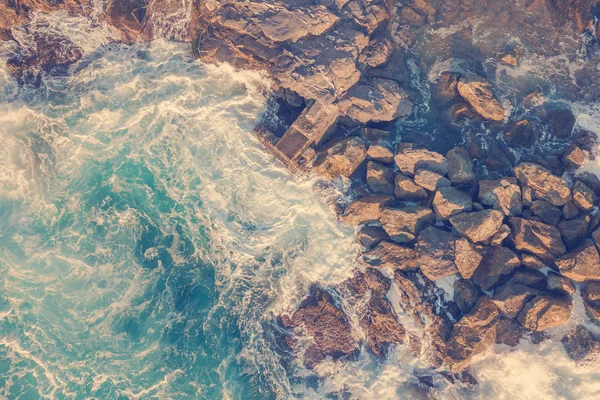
<point x="340" y="157"/>
<point x="590" y="179"/>
<point x="581" y="264"/>
<point x="561" y="122"/>
<point x="382" y="326"/>
<point x="510" y="298"/>
<point x="370" y="236"/>
<point x="372" y="280"/>
<point x="497" y="263"/>
<point x="445" y="88"/>
<point x="460" y="166"/>
<point x="560" y="284"/>
<point x="449" y="201"/>
<point x="380" y="179"/>
<point x="477" y="226"/>
<point x="520" y="134"/>
<point x="581" y="344"/>
<point x="410" y="159"/>
<point x="380" y="151"/>
<point x="435" y="252"/>
<point x="502" y="194"/>
<point x="583" y="196"/>
<point x="509" y="332"/>
<point x="366" y="209"/>
<point x="478" y="93"/>
<point x="539" y="239"/>
<point x="403" y="225"/>
<point x="472" y="335"/>
<point x="543" y="185"/>
<point x="376" y="136"/>
<point x="570" y="210"/>
<point x="574" y="157"/>
<point x="590" y="293"/>
<point x="466" y="294"/>
<point x="500" y="236"/>
<point x="390" y="255"/>
<point x="430" y="180"/>
<point x="575" y="231"/>
<point x="527" y="277"/>
<point x="529" y="261"/>
<point x="545" y="312"/>
<point x="467" y="257"/>
<point x="406" y="189"/>
<point x="548" y="213"/>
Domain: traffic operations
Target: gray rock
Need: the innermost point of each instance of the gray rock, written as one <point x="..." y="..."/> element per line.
<point x="545" y="312"/>
<point x="467" y="257"/>
<point x="380" y="179"/>
<point x="477" y="226"/>
<point x="502" y="194"/>
<point x="410" y="159"/>
<point x="366" y="209"/>
<point x="403" y="225"/>
<point x="460" y="166"/>
<point x="341" y="157"/>
<point x="478" y="93"/>
<point x="435" y="252"/>
<point x="497" y="263"/>
<point x="393" y="256"/>
<point x="539" y="239"/>
<point x="543" y="185"/>
<point x="406" y="189"/>
<point x="430" y="180"/>
<point x="581" y="264"/>
<point x="449" y="201"/>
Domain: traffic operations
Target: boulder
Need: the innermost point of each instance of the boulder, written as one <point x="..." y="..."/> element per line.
<point x="574" y="157"/>
<point x="543" y="185"/>
<point x="406" y="189"/>
<point x="581" y="264"/>
<point x="530" y="261"/>
<point x="545" y="312"/>
<point x="570" y="210"/>
<point x="561" y="122"/>
<point x="477" y="226"/>
<point x="449" y="201"/>
<point x="410" y="159"/>
<point x="340" y="157"/>
<point x="510" y="298"/>
<point x="390" y="255"/>
<point x="520" y="134"/>
<point x="590" y="179"/>
<point x="380" y="179"/>
<point x="371" y="280"/>
<point x="430" y="180"/>
<point x="502" y="194"/>
<point x="380" y="151"/>
<point x="435" y="252"/>
<point x="369" y="236"/>
<point x="539" y="239"/>
<point x="366" y="209"/>
<point x="403" y="225"/>
<point x="528" y="277"/>
<point x="547" y="213"/>
<point x="467" y="257"/>
<point x="466" y="294"/>
<point x="478" y="93"/>
<point x="583" y="196"/>
<point x="499" y="236"/>
<point x="581" y="344"/>
<point x="472" y="335"/>
<point x="590" y="293"/>
<point x="382" y="326"/>
<point x="460" y="166"/>
<point x="575" y="231"/>
<point x="496" y="264"/>
<point x="509" y="332"/>
<point x="560" y="284"/>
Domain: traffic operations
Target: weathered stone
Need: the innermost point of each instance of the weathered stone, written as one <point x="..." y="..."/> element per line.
<point x="590" y="179"/>
<point x="435" y="252"/>
<point x="583" y="196"/>
<point x="581" y="264"/>
<point x="497" y="263"/>
<point x="502" y="194"/>
<point x="390" y="255"/>
<point x="530" y="261"/>
<point x="375" y="136"/>
<point x="561" y="122"/>
<point x="382" y="326"/>
<point x="500" y="236"/>
<point x="380" y="151"/>
<point x="478" y="93"/>
<point x="539" y="239"/>
<point x="477" y="226"/>
<point x="581" y="344"/>
<point x="380" y="179"/>
<point x="445" y="88"/>
<point x="548" y="213"/>
<point x="528" y="277"/>
<point x="510" y="298"/>
<point x="406" y="189"/>
<point x="509" y="332"/>
<point x="472" y="335"/>
<point x="430" y="180"/>
<point x="410" y="159"/>
<point x="466" y="294"/>
<point x="341" y="157"/>
<point x="403" y="225"/>
<point x="574" y="157"/>
<point x="370" y="236"/>
<point x="570" y="210"/>
<point x="545" y="312"/>
<point x="371" y="280"/>
<point x="559" y="283"/>
<point x="466" y="257"/>
<point x="366" y="209"/>
<point x="449" y="201"/>
<point x="543" y="185"/>
<point x="520" y="134"/>
<point x="460" y="166"/>
<point x="575" y="231"/>
<point x="590" y="293"/>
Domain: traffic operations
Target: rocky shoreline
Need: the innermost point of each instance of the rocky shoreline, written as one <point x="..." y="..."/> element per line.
<point x="461" y="169"/>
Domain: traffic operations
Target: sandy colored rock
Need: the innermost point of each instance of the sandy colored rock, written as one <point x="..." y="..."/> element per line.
<point x="390" y="255"/>
<point x="406" y="189"/>
<point x="477" y="226"/>
<point x="430" y="180"/>
<point x="435" y="252"/>
<point x="510" y="298"/>
<point x="449" y="201"/>
<point x="341" y="157"/>
<point x="496" y="264"/>
<point x="502" y="194"/>
<point x="365" y="209"/>
<point x="583" y="196"/>
<point x="380" y="179"/>
<point x="543" y="184"/>
<point x="478" y="93"/>
<point x="410" y="159"/>
<point x="467" y="257"/>
<point x="559" y="283"/>
<point x="545" y="312"/>
<point x="380" y="151"/>
<point x="581" y="264"/>
<point x="539" y="239"/>
<point x="403" y="225"/>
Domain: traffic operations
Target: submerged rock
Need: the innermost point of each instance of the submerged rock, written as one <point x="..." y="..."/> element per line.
<point x="340" y="157"/>
<point x="478" y="93"/>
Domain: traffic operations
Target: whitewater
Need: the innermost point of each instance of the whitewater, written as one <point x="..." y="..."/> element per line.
<point x="148" y="243"/>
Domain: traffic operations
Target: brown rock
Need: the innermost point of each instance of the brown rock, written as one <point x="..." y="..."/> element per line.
<point x="529" y="261"/>
<point x="545" y="312"/>
<point x="435" y="252"/>
<point x="380" y="151"/>
<point x="390" y="255"/>
<point x="543" y="185"/>
<point x="430" y="180"/>
<point x="510" y="298"/>
<point x="520" y="134"/>
<point x="467" y="257"/>
<point x="548" y="213"/>
<point x="561" y="122"/>
<point x="502" y="194"/>
<point x="583" y="196"/>
<point x="460" y="166"/>
<point x="575" y="231"/>
<point x="478" y="93"/>
<point x="500" y="236"/>
<point x="539" y="239"/>
<point x="581" y="344"/>
<point x="340" y="157"/>
<point x="497" y="263"/>
<point x="406" y="189"/>
<point x="560" y="284"/>
<point x="375" y="99"/>
<point x="509" y="332"/>
<point x="581" y="264"/>
<point x="449" y="201"/>
<point x="466" y="294"/>
<point x="574" y="157"/>
<point x="382" y="326"/>
<point x="590" y="293"/>
<point x="410" y="159"/>
<point x="403" y="225"/>
<point x="478" y="226"/>
<point x="370" y="236"/>
<point x="570" y="210"/>
<point x="366" y="209"/>
<point x="380" y="179"/>
<point x="527" y="277"/>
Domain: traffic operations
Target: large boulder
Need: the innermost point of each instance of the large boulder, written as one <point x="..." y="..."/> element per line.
<point x="369" y="236"/>
<point x="543" y="184"/>
<point x="467" y="257"/>
<point x="472" y="335"/>
<point x="380" y="151"/>
<point x="380" y="178"/>
<point x="409" y="159"/>
<point x="382" y="326"/>
<point x="478" y="93"/>
<point x="435" y="252"/>
<point x="365" y="209"/>
<point x="545" y="312"/>
<point x="502" y="194"/>
<point x="393" y="256"/>
<point x="460" y="166"/>
<point x="541" y="240"/>
<point x="403" y="225"/>
<point x="340" y="157"/>
<point x="574" y="232"/>
<point x="581" y="344"/>
<point x="478" y="226"/>
<point x="510" y="298"/>
<point x="545" y="211"/>
<point x="449" y="201"/>
<point x="581" y="264"/>
<point x="430" y="180"/>
<point x="406" y="189"/>
<point x="497" y="263"/>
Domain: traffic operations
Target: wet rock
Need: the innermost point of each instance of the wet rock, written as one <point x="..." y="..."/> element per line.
<point x="502" y="194"/>
<point x="581" y="264"/>
<point x="366" y="209"/>
<point x="410" y="159"/>
<point x="478" y="93"/>
<point x="390" y="255"/>
<point x="591" y="180"/>
<point x="583" y="196"/>
<point x="500" y="236"/>
<point x="467" y="257"/>
<point x="371" y="280"/>
<point x="445" y="88"/>
<point x="560" y="284"/>
<point x="406" y="189"/>
<point x="496" y="264"/>
<point x="435" y="252"/>
<point x="460" y="166"/>
<point x="380" y="151"/>
<point x="472" y="335"/>
<point x="430" y="180"/>
<point x="548" y="213"/>
<point x="581" y="344"/>
<point x="478" y="226"/>
<point x="539" y="239"/>
<point x="575" y="231"/>
<point x="370" y="236"/>
<point x="403" y="225"/>
<point x="573" y="157"/>
<point x="570" y="210"/>
<point x="561" y="121"/>
<point x="382" y="326"/>
<point x="466" y="294"/>
<point x="380" y="179"/>
<point x="449" y="201"/>
<point x="509" y="332"/>
<point x="590" y="293"/>
<point x="510" y="298"/>
<point x="341" y="157"/>
<point x="545" y="312"/>
<point x="520" y="134"/>
<point x="376" y="136"/>
<point x="543" y="185"/>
